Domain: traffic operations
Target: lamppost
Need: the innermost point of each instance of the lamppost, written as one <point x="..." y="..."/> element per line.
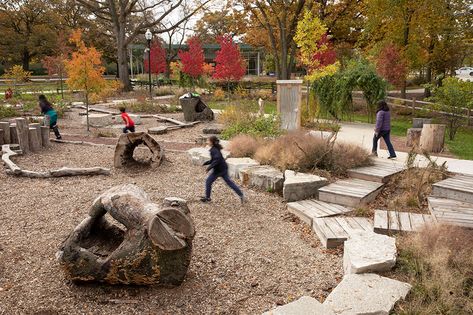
<point x="149" y="36"/>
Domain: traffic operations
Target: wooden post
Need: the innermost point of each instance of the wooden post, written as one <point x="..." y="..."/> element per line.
<point x="13" y="134"/>
<point x="2" y="141"/>
<point x="5" y="126"/>
<point x="37" y="127"/>
<point x="34" y="144"/>
<point x="413" y="106"/>
<point x="432" y="138"/>
<point x="22" y="131"/>
<point x="289" y="103"/>
<point x="45" y="136"/>
<point x="413" y="137"/>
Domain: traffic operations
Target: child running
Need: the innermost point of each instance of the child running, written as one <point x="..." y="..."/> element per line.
<point x="129" y="123"/>
<point x="48" y="110"/>
<point x="219" y="168"/>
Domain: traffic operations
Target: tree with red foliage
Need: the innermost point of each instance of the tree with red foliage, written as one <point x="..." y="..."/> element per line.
<point x="230" y="67"/>
<point x="325" y="55"/>
<point x="158" y="59"/>
<point x="193" y="59"/>
<point x="391" y="65"/>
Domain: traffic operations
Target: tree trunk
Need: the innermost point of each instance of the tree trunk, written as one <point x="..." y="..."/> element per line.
<point x="432" y="138"/>
<point x="122" y="57"/>
<point x="26" y="60"/>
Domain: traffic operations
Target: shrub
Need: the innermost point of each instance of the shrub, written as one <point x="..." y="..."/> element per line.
<point x="218" y="95"/>
<point x="438" y="263"/>
<point x="244" y="146"/>
<point x="164" y="91"/>
<point x="6" y="112"/>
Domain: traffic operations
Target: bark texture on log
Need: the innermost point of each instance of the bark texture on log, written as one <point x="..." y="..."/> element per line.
<point x="13" y="134"/>
<point x="2" y="141"/>
<point x="45" y="137"/>
<point x="194" y="109"/>
<point x="127" y="144"/>
<point x="37" y="127"/>
<point x="34" y="142"/>
<point x="413" y="137"/>
<point x="5" y="126"/>
<point x="155" y="246"/>
<point x="432" y="138"/>
<point x="22" y="131"/>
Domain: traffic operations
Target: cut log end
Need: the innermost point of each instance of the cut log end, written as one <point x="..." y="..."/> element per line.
<point x="126" y="145"/>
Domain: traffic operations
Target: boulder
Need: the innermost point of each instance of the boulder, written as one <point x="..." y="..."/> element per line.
<point x="369" y="252"/>
<point x="263" y="177"/>
<point x="300" y="186"/>
<point x="98" y="120"/>
<point x="152" y="244"/>
<point x="195" y="109"/>
<point x="214" y="129"/>
<point x="235" y="165"/>
<point x="361" y="294"/>
<point x="160" y="130"/>
<point x="306" y="305"/>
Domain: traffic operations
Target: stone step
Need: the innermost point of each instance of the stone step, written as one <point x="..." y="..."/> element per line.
<point x="367" y="252"/>
<point x="380" y="172"/>
<point x="451" y="212"/>
<point x="350" y="192"/>
<point x="459" y="187"/>
<point x="235" y="165"/>
<point x="390" y="222"/>
<point x="263" y="177"/>
<point x="333" y="231"/>
<point x="306" y="305"/>
<point x="309" y="209"/>
<point x="300" y="186"/>
<point x="366" y="294"/>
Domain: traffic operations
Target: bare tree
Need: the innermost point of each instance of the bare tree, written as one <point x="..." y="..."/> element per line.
<point x="130" y="18"/>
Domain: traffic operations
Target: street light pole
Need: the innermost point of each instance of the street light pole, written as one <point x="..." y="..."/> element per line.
<point x="149" y="36"/>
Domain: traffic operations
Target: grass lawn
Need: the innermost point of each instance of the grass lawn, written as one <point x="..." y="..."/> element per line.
<point x="269" y="106"/>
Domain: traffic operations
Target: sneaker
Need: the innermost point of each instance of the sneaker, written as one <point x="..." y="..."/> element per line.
<point x="205" y="200"/>
<point x="392" y="157"/>
<point x="374" y="154"/>
<point x="243" y="200"/>
<point x="58" y="138"/>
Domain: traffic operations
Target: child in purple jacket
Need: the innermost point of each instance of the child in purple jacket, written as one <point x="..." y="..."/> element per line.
<point x="383" y="129"/>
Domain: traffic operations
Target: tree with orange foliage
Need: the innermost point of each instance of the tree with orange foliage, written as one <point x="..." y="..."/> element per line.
<point x="85" y="69"/>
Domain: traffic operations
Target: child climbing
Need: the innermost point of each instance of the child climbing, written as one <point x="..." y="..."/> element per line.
<point x="383" y="129"/>
<point x="48" y="110"/>
<point x="129" y="123"/>
<point x="218" y="168"/>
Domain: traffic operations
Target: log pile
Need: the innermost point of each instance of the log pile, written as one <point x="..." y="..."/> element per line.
<point x="128" y="142"/>
<point x="154" y="247"/>
<point x="31" y="137"/>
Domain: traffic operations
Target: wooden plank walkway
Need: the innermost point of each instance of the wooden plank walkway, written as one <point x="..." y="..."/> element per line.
<point x="459" y="187"/>
<point x="350" y="192"/>
<point x="452" y="212"/>
<point x="390" y="222"/>
<point x="380" y="172"/>
<point x="333" y="231"/>
<point x="307" y="210"/>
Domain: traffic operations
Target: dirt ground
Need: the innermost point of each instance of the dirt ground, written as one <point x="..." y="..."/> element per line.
<point x="246" y="259"/>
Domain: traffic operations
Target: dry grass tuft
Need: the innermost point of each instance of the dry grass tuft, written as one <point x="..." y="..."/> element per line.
<point x="438" y="262"/>
<point x="244" y="146"/>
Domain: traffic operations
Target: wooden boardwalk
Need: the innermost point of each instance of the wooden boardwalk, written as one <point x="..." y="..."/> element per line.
<point x="390" y="222"/>
<point x="459" y="187"/>
<point x="380" y="172"/>
<point x="350" y="192"/>
<point x="307" y="210"/>
<point x="452" y="212"/>
<point x="333" y="231"/>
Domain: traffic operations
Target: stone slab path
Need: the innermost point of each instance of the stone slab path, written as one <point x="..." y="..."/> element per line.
<point x="263" y="177"/>
<point x="459" y="187"/>
<point x="390" y="222"/>
<point x="350" y="192"/>
<point x="367" y="293"/>
<point x="452" y="212"/>
<point x="306" y="305"/>
<point x="307" y="210"/>
<point x="380" y="172"/>
<point x="300" y="186"/>
<point x="333" y="231"/>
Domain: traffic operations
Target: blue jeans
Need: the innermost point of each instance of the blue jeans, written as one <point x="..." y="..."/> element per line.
<point x="131" y="129"/>
<point x="213" y="177"/>
<point x="385" y="135"/>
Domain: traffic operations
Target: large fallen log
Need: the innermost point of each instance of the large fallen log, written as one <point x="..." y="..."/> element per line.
<point x="83" y="143"/>
<point x="155" y="245"/>
<point x="128" y="142"/>
<point x="171" y="120"/>
<point x="97" y="110"/>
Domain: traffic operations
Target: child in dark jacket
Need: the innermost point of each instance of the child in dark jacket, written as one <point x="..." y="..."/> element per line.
<point x="383" y="129"/>
<point x="218" y="168"/>
<point x="48" y="110"/>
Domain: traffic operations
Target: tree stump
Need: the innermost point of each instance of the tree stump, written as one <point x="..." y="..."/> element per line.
<point x="432" y="138"/>
<point x="22" y="131"/>
<point x="196" y="110"/>
<point x="45" y="137"/>
<point x="419" y="122"/>
<point x="13" y="134"/>
<point x="34" y="144"/>
<point x="155" y="246"/>
<point x="37" y="127"/>
<point x="5" y="126"/>
<point x="413" y="137"/>
<point x="127" y="144"/>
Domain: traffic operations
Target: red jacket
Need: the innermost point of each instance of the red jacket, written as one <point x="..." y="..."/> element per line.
<point x="128" y="121"/>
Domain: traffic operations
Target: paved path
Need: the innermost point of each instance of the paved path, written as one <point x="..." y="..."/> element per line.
<point x="362" y="134"/>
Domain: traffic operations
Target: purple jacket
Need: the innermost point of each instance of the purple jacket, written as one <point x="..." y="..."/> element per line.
<point x="383" y="121"/>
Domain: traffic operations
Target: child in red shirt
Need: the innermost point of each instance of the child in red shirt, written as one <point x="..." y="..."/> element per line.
<point x="129" y="123"/>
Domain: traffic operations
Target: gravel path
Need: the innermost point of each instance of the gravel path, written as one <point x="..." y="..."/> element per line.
<point x="246" y="258"/>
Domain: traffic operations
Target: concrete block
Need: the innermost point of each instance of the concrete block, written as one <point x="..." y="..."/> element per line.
<point x="300" y="186"/>
<point x="237" y="164"/>
<point x="263" y="177"/>
<point x="306" y="305"/>
<point x="98" y="120"/>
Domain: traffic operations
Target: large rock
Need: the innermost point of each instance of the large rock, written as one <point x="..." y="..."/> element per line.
<point x="362" y="294"/>
<point x="306" y="305"/>
<point x="300" y="186"/>
<point x="263" y="177"/>
<point x="369" y="252"/>
<point x="152" y="244"/>
<point x="214" y="129"/>
<point x="98" y="120"/>
<point x="199" y="156"/>
<point x="235" y="165"/>
<point x="160" y="130"/>
<point x="195" y="109"/>
<point x="324" y="135"/>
